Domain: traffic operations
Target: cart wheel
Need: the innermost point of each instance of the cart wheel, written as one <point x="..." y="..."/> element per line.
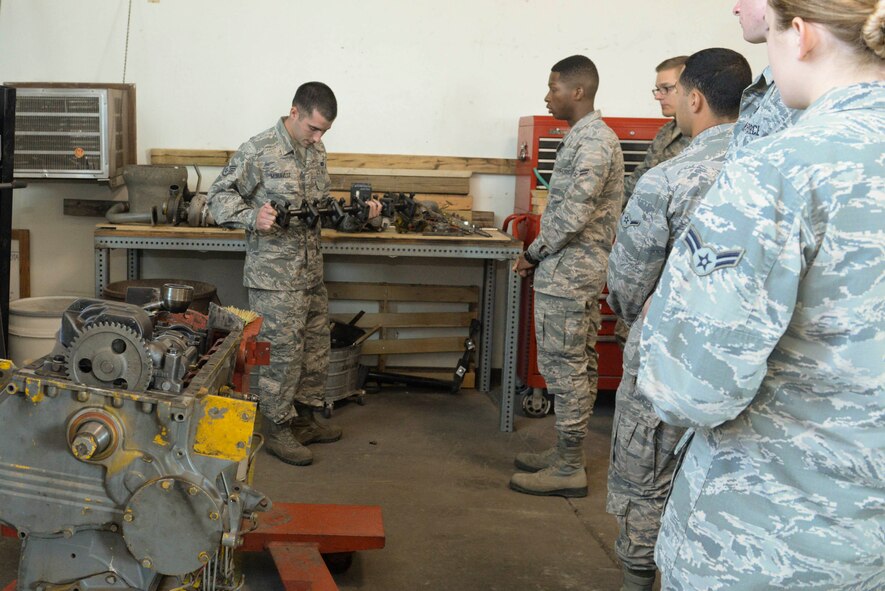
<point x="535" y="404"/>
<point x="338" y="562"/>
<point x="327" y="410"/>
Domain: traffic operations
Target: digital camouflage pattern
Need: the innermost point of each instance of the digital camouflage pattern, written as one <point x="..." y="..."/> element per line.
<point x="266" y="168"/>
<point x="284" y="267"/>
<point x="643" y="460"/>
<point x="767" y="335"/>
<point x="565" y="332"/>
<point x="763" y="112"/>
<point x="296" y="323"/>
<point x="668" y="142"/>
<point x="573" y="244"/>
<point x="578" y="225"/>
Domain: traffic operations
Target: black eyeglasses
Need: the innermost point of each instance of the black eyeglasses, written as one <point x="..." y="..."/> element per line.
<point x="663" y="90"/>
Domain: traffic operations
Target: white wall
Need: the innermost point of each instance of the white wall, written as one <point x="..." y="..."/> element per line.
<point x="444" y="78"/>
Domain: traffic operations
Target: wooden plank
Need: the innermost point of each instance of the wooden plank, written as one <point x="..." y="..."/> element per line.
<point x="450" y="202"/>
<point x="347" y="160"/>
<point x="410" y="319"/>
<point x="483" y="219"/>
<point x="407" y="346"/>
<point x="477" y="165"/>
<point x="402" y="183"/>
<point x="191" y="157"/>
<point x="87" y="207"/>
<point x="402" y="292"/>
<point x="407" y="172"/>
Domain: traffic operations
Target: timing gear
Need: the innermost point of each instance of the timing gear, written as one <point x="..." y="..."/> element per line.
<point x="108" y="354"/>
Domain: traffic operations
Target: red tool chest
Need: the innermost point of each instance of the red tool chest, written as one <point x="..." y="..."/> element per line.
<point x="537" y="141"/>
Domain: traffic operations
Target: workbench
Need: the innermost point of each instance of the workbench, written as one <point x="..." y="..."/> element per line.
<point x="497" y="247"/>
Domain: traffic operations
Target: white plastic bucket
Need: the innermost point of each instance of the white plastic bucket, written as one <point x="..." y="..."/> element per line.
<point x="33" y="324"/>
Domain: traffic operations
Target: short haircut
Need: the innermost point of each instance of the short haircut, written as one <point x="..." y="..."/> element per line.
<point x="578" y="70"/>
<point x="672" y="63"/>
<point x="317" y="96"/>
<point x="721" y="75"/>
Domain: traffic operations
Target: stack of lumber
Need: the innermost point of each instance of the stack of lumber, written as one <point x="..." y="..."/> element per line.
<point x="401" y="308"/>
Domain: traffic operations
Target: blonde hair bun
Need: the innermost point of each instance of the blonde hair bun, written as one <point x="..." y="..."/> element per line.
<point x="874" y="30"/>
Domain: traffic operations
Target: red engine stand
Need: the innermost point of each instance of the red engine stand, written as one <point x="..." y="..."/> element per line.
<point x="297" y="535"/>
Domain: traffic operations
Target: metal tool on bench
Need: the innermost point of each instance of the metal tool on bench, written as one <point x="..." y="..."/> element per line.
<point x="329" y="210"/>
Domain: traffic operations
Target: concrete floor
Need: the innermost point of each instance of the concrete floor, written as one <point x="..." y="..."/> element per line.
<point x="439" y="468"/>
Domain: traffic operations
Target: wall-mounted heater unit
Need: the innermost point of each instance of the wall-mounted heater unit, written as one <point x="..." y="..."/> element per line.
<point x="74" y="131"/>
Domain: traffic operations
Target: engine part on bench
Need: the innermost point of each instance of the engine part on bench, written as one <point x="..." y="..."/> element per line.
<point x="198" y="215"/>
<point x="119" y="213"/>
<point x="148" y="187"/>
<point x="111" y="479"/>
<point x="174" y="208"/>
<point x="329" y="212"/>
<point x="148" y="184"/>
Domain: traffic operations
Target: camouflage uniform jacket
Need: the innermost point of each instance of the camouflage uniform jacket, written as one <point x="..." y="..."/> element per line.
<point x="668" y="142"/>
<point x="763" y="112"/>
<point x="269" y="167"/>
<point x="578" y="225"/>
<point x="659" y="211"/>
<point x="767" y="334"/>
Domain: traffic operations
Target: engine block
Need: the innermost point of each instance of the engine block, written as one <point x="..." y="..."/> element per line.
<point x="125" y="454"/>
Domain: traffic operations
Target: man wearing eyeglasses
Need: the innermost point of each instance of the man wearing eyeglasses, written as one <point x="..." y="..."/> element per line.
<point x="669" y="141"/>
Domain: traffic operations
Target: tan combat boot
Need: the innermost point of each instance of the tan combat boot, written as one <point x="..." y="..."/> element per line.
<point x="566" y="477"/>
<point x="283" y="444"/>
<point x="307" y="430"/>
<point x="534" y="461"/>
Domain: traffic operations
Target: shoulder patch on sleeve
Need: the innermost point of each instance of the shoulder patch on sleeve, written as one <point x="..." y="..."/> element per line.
<point x="229" y="169"/>
<point x="628" y="222"/>
<point x="705" y="260"/>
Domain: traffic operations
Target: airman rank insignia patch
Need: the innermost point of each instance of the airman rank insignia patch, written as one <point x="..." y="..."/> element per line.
<point x="628" y="222"/>
<point x="229" y="169"/>
<point x="705" y="260"/>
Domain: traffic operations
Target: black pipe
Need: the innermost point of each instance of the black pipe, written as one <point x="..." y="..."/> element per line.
<point x="382" y="377"/>
<point x="7" y="157"/>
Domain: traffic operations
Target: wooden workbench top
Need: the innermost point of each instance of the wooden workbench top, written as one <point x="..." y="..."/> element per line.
<point x="186" y="232"/>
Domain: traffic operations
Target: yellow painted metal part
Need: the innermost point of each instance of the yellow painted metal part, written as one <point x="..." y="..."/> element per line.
<point x="225" y="428"/>
<point x="34" y="390"/>
<point x="162" y="437"/>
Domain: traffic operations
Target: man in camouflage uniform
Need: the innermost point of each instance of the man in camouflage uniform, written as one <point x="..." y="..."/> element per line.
<point x="569" y="261"/>
<point x="762" y="110"/>
<point x="642" y="459"/>
<point x="668" y="142"/>
<point x="286" y="165"/>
